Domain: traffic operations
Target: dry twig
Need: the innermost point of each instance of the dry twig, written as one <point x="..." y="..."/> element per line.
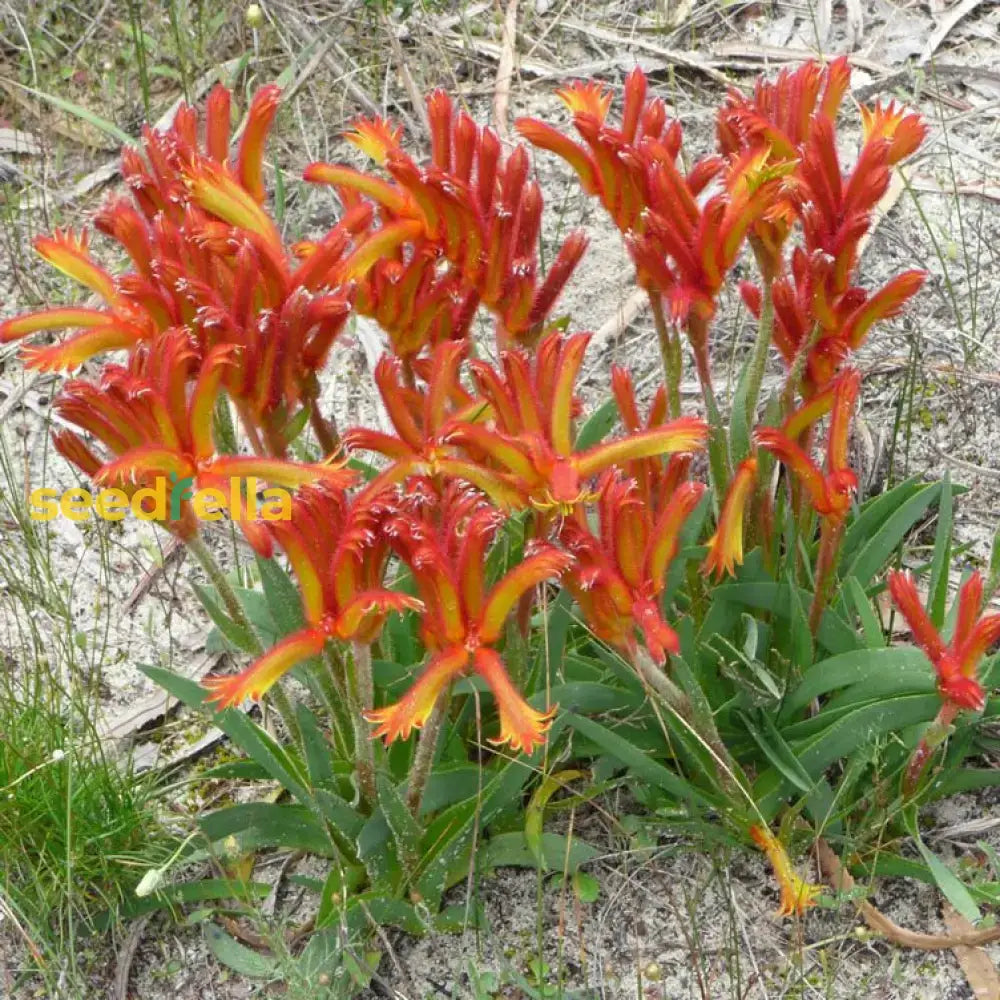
<point x="945" y="28"/>
<point x="505" y="71"/>
<point x="123" y="965"/>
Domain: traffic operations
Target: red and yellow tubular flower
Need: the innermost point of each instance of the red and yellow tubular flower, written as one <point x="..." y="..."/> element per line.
<point x="620" y="572"/>
<point x="725" y="547"/>
<point x="471" y="206"/>
<point x="687" y="248"/>
<point x="153" y="427"/>
<point x="802" y="303"/>
<point x="338" y="553"/>
<point x="905" y="131"/>
<point x="781" y="113"/>
<point x="829" y="490"/>
<point x="797" y="895"/>
<point x="423" y="420"/>
<point x="791" y="123"/>
<point x="655" y="481"/>
<point x="415" y="305"/>
<point x="531" y="438"/>
<point x="775" y="124"/>
<point x="956" y="663"/>
<point x="446" y="551"/>
<point x="681" y="243"/>
<point x="612" y="162"/>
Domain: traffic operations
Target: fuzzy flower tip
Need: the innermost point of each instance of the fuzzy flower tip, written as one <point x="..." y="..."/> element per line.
<point x="797" y="895"/>
<point x="725" y="547"/>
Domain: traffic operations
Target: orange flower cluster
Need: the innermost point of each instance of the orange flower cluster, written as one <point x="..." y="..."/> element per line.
<point x="776" y="168"/>
<point x="829" y="490"/>
<point x="819" y="311"/>
<point x="956" y="663"/>
<point x="683" y="237"/>
<point x="206" y="257"/>
<point x="472" y="220"/>
<point x="215" y="309"/>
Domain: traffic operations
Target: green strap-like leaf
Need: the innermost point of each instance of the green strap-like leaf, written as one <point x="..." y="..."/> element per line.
<point x="597" y="426"/>
<point x="283" y="599"/>
<point x="854" y="667"/>
<point x="236" y="635"/>
<point x="642" y="766"/>
<point x="268" y="824"/>
<point x="947" y="881"/>
<point x="556" y="851"/>
<point x="873" y="555"/>
<point x="240" y="958"/>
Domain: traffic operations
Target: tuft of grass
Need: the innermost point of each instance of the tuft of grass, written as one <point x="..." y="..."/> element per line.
<point x="77" y="828"/>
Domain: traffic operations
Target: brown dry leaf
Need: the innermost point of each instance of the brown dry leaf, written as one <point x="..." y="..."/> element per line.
<point x="975" y="963"/>
<point x="842" y="881"/>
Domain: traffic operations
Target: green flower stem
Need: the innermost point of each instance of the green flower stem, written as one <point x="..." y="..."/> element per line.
<point x="650" y="672"/>
<point x="423" y="757"/>
<point x="677" y="701"/>
<point x="797" y="370"/>
<point x="670" y="355"/>
<point x="331" y="688"/>
<point x="324" y="429"/>
<point x="250" y="428"/>
<point x="718" y="446"/>
<point x="224" y="589"/>
<point x="286" y="710"/>
<point x="276" y="695"/>
<point x="936" y="734"/>
<point x="831" y="535"/>
<point x="758" y="359"/>
<point x="362" y="696"/>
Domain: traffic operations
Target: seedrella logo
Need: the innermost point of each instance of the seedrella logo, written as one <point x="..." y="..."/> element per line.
<point x="166" y="499"/>
<point x="180" y="490"/>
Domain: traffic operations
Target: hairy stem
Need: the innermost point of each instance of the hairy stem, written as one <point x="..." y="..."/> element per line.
<point x="423" y="757"/>
<point x="201" y="552"/>
<point x="325" y="430"/>
<point x="758" y="359"/>
<point x="701" y="722"/>
<point x="660" y="683"/>
<point x="362" y="695"/>
<point x="718" y="447"/>
<point x="276" y="695"/>
<point x="329" y="676"/>
<point x="250" y="428"/>
<point x="670" y="355"/>
<point x="831" y="535"/>
<point x="935" y="735"/>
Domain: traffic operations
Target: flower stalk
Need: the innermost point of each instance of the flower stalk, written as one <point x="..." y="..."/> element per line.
<point x="282" y="703"/>
<point x="761" y="348"/>
<point x="937" y="732"/>
<point x="831" y="536"/>
<point x="325" y="430"/>
<point x="361" y="690"/>
<point x="670" y="354"/>
<point x="423" y="756"/>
